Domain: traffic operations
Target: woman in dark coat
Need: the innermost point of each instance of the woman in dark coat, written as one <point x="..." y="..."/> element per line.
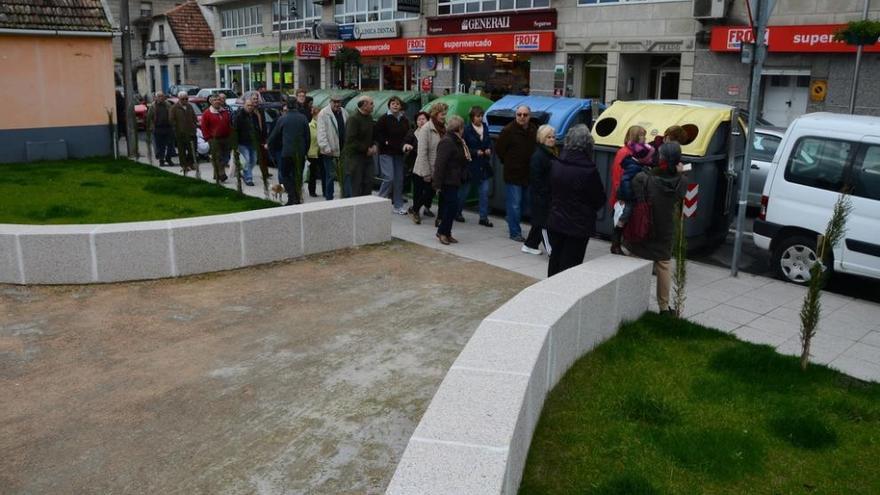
<point x="576" y="194"/>
<point x="450" y="171"/>
<point x="476" y="136"/>
<point x="665" y="186"/>
<point x="539" y="189"/>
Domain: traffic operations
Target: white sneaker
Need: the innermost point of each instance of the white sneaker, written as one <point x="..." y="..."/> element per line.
<point x="529" y="250"/>
<point x="400" y="211"/>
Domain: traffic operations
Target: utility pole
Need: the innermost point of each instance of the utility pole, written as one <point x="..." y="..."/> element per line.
<point x="131" y="135"/>
<point x="762" y="10"/>
<point x="280" y="58"/>
<point x="855" y="83"/>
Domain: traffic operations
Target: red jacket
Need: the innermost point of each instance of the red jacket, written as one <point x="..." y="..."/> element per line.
<point x="616" y="174"/>
<point x="216" y="125"/>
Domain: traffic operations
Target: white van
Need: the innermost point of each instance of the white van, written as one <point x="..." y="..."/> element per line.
<point x="820" y="155"/>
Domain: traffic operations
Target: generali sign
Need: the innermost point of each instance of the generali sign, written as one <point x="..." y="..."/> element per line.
<point x="493" y="22"/>
<point x="817" y="38"/>
<point x="542" y="42"/>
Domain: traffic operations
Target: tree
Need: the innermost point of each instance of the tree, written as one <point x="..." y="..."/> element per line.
<point x="346" y="57"/>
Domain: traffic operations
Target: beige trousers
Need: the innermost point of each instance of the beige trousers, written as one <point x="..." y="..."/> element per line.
<point x="663" y="270"/>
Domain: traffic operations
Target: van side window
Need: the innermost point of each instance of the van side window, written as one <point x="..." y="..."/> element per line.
<point x="866" y="173"/>
<point x="764" y="146"/>
<point x="819" y="162"/>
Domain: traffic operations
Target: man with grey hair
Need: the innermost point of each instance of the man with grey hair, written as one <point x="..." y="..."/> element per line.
<point x="514" y="148"/>
<point x="184" y="122"/>
<point x="159" y="124"/>
<point x="577" y="196"/>
<point x="359" y="150"/>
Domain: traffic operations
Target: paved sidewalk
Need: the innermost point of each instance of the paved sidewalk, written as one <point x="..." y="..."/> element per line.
<point x="755" y="309"/>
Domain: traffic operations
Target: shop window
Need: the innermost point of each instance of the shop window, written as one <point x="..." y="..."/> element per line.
<point x="866" y="174"/>
<point x="494" y="75"/>
<point x="241" y="22"/>
<point x="819" y="162"/>
<point x="351" y="11"/>
<point x="303" y="16"/>
<point x="604" y="2"/>
<point x="447" y="7"/>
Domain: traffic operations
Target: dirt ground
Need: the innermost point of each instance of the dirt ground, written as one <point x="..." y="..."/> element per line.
<point x="299" y="377"/>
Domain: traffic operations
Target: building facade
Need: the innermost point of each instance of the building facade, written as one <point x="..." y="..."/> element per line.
<point x="179" y="49"/>
<point x="141" y="14"/>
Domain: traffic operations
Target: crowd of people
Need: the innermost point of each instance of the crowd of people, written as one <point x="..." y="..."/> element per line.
<point x="447" y="157"/>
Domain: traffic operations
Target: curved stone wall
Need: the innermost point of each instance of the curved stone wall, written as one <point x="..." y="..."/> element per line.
<point x="475" y="434"/>
<point x="82" y="254"/>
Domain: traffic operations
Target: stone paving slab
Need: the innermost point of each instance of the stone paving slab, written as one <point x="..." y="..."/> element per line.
<point x="740" y="305"/>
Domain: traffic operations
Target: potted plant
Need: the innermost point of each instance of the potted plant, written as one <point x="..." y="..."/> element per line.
<point x="865" y="32"/>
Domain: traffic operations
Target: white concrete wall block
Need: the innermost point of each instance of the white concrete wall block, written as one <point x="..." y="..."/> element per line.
<point x="132" y="251"/>
<point x="61" y="254"/>
<point x="372" y="221"/>
<point x="271" y="235"/>
<point x="326" y="228"/>
<point x="439" y="468"/>
<point x="505" y="348"/>
<point x="599" y="317"/>
<point x="9" y="267"/>
<point x="206" y="244"/>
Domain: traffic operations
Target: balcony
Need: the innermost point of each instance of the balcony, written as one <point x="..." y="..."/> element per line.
<point x="157" y="49"/>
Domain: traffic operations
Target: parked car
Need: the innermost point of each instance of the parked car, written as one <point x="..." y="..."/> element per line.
<point x="140" y="113"/>
<point x="273" y="98"/>
<point x="227" y="93"/>
<point x="177" y="88"/>
<point x="764" y="145"/>
<point x="820" y="155"/>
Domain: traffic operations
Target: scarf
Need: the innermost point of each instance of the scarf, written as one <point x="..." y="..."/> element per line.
<point x="467" y="152"/>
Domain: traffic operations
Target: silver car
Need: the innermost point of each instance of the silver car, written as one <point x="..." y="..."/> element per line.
<point x="764" y="146"/>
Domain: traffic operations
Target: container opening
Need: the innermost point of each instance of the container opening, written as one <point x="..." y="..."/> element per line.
<point x="606" y="126"/>
<point x="691" y="132"/>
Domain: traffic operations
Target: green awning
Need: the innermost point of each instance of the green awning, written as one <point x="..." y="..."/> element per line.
<point x="252" y="54"/>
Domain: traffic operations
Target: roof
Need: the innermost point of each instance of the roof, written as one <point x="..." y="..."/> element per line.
<point x="700" y="119"/>
<point x="190" y="28"/>
<point x="55" y="15"/>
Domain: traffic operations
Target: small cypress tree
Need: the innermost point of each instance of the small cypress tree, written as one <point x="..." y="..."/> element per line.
<point x="812" y="308"/>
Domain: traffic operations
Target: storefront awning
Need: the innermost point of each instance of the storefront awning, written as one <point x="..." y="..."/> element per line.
<point x="251" y="54"/>
<point x="537" y="42"/>
<point x="818" y="38"/>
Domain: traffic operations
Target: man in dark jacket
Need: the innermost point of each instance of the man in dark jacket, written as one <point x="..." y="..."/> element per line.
<point x="515" y="147"/>
<point x="390" y="130"/>
<point x="292" y="130"/>
<point x="159" y="123"/>
<point x="576" y="194"/>
<point x="184" y="122"/>
<point x="359" y="149"/>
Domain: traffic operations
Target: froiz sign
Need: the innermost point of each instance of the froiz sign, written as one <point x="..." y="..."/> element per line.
<point x="543" y="20"/>
<point x="417" y="45"/>
<point x="526" y="42"/>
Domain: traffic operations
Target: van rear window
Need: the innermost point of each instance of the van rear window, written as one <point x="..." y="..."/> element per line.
<point x="819" y="162"/>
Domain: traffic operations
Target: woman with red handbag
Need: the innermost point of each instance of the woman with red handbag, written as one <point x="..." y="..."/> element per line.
<point x="662" y="188"/>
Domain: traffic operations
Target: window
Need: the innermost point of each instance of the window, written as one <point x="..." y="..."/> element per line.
<point x="764" y="147"/>
<point x="241" y="22"/>
<point x="177" y="74"/>
<point x="819" y="162"/>
<point x="447" y="7"/>
<point x="146" y="9"/>
<point x="605" y="2"/>
<point x="305" y="15"/>
<point x="161" y="32"/>
<point x="351" y="11"/>
<point x="866" y="173"/>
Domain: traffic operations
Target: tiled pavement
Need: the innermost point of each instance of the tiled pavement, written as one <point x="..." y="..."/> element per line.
<point x="755" y="309"/>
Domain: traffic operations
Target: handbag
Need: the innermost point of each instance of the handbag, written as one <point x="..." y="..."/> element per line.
<point x="639" y="227"/>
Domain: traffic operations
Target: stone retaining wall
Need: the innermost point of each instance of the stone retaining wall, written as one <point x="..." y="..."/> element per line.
<point x="81" y="254"/>
<point x="475" y="434"/>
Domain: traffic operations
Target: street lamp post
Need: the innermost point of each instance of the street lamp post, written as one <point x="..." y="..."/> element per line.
<point x="855" y="83"/>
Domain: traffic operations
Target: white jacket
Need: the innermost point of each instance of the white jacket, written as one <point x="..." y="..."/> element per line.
<point x="428" y="138"/>
<point x="328" y="132"/>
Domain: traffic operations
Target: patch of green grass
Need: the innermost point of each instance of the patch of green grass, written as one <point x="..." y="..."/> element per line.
<point x="671" y="407"/>
<point x="108" y="191"/>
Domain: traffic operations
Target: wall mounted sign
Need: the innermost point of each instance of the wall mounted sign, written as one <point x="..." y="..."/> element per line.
<point x="785" y="39"/>
<point x="543" y="42"/>
<point x="369" y="31"/>
<point x="309" y="50"/>
<point x="493" y="22"/>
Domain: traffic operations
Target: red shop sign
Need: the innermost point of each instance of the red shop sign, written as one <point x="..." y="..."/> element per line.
<point x="542" y="42"/>
<point x="309" y="50"/>
<point x="494" y="22"/>
<point x="790" y="39"/>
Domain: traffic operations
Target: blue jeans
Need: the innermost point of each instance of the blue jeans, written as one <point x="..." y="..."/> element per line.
<point x="329" y="176"/>
<point x="391" y="171"/>
<point x="516" y="199"/>
<point x="249" y="159"/>
<point x="482" y="187"/>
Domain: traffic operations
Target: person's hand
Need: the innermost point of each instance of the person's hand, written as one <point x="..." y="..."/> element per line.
<point x="326" y="151"/>
<point x="479" y="152"/>
<point x="427" y="179"/>
<point x="407" y="148"/>
<point x="679" y="168"/>
<point x="265" y="146"/>
<point x="488" y="151"/>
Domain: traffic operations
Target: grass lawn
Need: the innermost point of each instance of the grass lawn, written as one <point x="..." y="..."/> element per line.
<point x="107" y="191"/>
<point x="671" y="407"/>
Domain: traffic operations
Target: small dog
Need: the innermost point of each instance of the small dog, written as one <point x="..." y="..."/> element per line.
<point x="277" y="190"/>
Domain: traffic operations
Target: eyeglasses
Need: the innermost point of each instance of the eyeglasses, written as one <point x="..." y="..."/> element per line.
<point x="522" y="115"/>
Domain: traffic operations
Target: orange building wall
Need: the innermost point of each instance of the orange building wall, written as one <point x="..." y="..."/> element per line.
<point x="51" y="81"/>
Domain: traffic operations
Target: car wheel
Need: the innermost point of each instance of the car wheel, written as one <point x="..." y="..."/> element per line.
<point x="794" y="257"/>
